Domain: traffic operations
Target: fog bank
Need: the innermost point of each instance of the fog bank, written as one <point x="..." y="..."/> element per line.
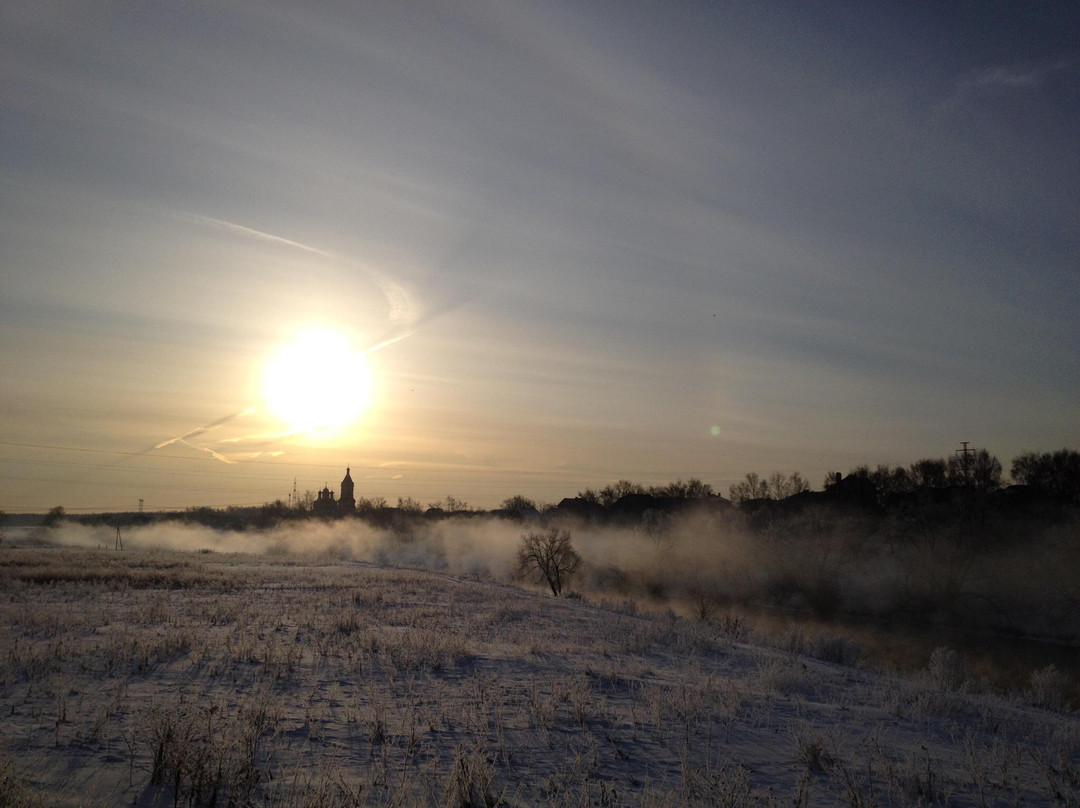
<point x="816" y="562"/>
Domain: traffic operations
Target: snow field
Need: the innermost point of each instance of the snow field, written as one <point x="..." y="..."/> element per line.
<point x="158" y="678"/>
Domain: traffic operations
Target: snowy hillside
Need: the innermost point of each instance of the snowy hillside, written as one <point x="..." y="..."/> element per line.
<point x="159" y="678"/>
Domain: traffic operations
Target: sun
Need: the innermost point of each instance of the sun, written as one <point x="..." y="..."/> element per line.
<point x="317" y="382"/>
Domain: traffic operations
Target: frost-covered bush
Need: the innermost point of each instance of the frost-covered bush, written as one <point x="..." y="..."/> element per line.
<point x="1049" y="688"/>
<point x="946" y="668"/>
<point x="836" y="648"/>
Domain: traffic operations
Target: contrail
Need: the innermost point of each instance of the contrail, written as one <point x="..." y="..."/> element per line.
<point x="209" y="451"/>
<point x="250" y="232"/>
<point x="266" y="439"/>
<point x="396" y="335"/>
<point x="200" y="430"/>
<point x="388" y="341"/>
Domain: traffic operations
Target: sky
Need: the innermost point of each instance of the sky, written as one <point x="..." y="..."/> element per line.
<point x="560" y="243"/>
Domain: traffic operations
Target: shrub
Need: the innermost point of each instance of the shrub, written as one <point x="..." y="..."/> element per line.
<point x="1048" y="688"/>
<point x="14" y="790"/>
<point x="946" y="668"/>
<point x="837" y="649"/>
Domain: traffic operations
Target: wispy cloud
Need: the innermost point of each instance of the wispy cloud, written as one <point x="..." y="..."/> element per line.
<point x="1016" y="77"/>
<point x="402" y="304"/>
<point x="1008" y="77"/>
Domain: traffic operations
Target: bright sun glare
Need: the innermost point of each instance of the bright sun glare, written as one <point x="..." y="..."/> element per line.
<point x="317" y="382"/>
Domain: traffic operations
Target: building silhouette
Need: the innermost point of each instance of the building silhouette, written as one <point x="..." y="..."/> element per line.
<point x="326" y="505"/>
<point x="346" y="504"/>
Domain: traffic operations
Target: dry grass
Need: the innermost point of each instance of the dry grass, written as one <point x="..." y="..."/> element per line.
<point x="212" y="679"/>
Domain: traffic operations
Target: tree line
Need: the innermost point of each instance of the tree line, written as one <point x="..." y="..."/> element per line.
<point x="1051" y="474"/>
<point x="1046" y="474"/>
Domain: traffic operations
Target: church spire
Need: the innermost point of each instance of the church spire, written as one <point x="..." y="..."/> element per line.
<point x="346" y="502"/>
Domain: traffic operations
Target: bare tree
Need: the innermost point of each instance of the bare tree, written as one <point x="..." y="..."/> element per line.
<point x="977" y="469"/>
<point x="930" y="472"/>
<point x="691" y="489"/>
<point x="610" y="494"/>
<point x="548" y="556"/>
<point x="518" y="507"/>
<point x="409" y="505"/>
<point x="367" y="504"/>
<point x="782" y="486"/>
<point x="452" y="504"/>
<point x="1054" y="473"/>
<point x="891" y="482"/>
<point x="751" y="487"/>
<point x="306" y="501"/>
<point x="777" y="486"/>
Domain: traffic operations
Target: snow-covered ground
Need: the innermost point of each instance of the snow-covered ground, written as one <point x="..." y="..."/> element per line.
<point x="153" y="677"/>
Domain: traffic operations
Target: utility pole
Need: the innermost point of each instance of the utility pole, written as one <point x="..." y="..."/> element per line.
<point x="966" y="456"/>
<point x="140" y="505"/>
<point x="119" y="543"/>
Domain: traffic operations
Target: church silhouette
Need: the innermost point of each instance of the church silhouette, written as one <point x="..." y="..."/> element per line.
<point x="325" y="505"/>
